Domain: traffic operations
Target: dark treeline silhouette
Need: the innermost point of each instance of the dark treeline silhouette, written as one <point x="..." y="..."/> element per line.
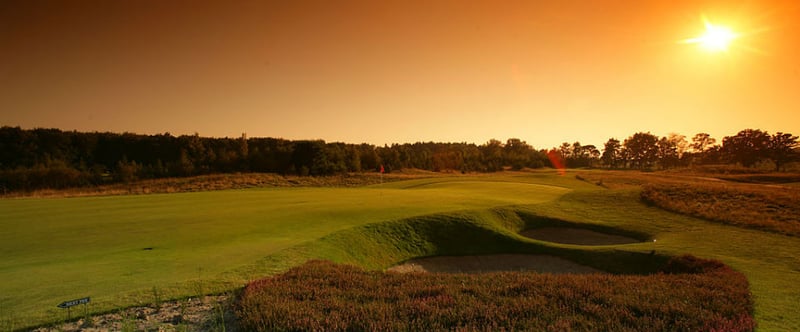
<point x="51" y="158"/>
<point x="643" y="150"/>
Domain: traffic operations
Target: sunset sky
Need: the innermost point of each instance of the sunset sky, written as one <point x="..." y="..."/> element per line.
<point x="399" y="71"/>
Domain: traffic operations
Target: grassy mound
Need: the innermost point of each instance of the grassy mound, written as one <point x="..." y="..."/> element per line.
<point x="325" y="296"/>
<point x="494" y="231"/>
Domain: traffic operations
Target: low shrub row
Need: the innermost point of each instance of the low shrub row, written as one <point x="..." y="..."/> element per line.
<point x="688" y="294"/>
<point x="766" y="208"/>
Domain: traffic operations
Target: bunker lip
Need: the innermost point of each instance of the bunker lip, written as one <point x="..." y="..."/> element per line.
<point x="574" y="235"/>
<point x="493" y="263"/>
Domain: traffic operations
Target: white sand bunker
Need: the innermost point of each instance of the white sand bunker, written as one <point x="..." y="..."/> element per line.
<point x="493" y="263"/>
<point x="568" y="235"/>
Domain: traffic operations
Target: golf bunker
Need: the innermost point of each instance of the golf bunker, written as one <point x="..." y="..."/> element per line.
<point x="566" y="234"/>
<point x="493" y="263"/>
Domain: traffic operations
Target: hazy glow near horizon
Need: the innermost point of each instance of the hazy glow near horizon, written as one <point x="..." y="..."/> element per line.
<point x="400" y="71"/>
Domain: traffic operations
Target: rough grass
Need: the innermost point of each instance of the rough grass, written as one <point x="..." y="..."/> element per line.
<point x="693" y="294"/>
<point x="737" y="199"/>
<point x="770" y="261"/>
<point x="761" y="207"/>
<point x="222" y="182"/>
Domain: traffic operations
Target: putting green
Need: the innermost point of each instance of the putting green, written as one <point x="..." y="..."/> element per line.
<point x="111" y="247"/>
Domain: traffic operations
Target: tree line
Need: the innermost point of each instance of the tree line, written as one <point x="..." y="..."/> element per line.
<point x="51" y="158"/>
<point x="747" y="148"/>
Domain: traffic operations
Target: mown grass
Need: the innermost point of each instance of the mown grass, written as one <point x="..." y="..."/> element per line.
<point x="117" y="249"/>
<point x="321" y="296"/>
<point x="262" y="232"/>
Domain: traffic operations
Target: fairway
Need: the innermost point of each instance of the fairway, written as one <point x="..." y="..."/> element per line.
<point x="129" y="250"/>
<point x="121" y="249"/>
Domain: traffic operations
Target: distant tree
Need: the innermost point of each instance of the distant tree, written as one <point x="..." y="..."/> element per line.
<point x="747" y="147"/>
<point x="701" y="142"/>
<point x="185" y="164"/>
<point x="641" y="149"/>
<point x="517" y="153"/>
<point x="680" y="143"/>
<point x="565" y="150"/>
<point x="782" y="149"/>
<point x="668" y="155"/>
<point x="578" y="155"/>
<point x="492" y="152"/>
<point x="369" y="157"/>
<point x="305" y="154"/>
<point x="472" y="158"/>
<point x="328" y="159"/>
<point x="127" y="171"/>
<point x="389" y="157"/>
<point x="244" y="152"/>
<point x="713" y="155"/>
<point x="353" y="158"/>
<point x="703" y="149"/>
<point x="448" y="157"/>
<point x="591" y="153"/>
<point x="611" y="152"/>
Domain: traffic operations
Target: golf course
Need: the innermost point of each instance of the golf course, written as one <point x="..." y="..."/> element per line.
<point x="134" y="250"/>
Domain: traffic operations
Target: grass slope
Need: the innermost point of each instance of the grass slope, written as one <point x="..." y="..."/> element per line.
<point x="128" y="250"/>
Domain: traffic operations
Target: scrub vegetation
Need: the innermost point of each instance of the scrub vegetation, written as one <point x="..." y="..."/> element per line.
<point x="760" y="200"/>
<point x="768" y="208"/>
<point x="688" y="294"/>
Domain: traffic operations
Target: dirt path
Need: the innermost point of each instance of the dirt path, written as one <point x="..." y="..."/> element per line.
<point x="492" y="263"/>
<point x="568" y="235"/>
<point x="212" y="313"/>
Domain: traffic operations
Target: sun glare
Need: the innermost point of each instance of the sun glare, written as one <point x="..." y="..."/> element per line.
<point x="716" y="38"/>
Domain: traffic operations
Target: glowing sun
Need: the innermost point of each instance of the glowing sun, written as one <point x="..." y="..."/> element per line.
<point x="716" y="38"/>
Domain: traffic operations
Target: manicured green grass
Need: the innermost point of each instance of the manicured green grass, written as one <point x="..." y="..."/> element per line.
<point x="117" y="249"/>
<point x="59" y="249"/>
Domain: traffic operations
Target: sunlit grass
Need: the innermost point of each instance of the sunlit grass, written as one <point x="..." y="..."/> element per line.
<point x="58" y="249"/>
<point x="117" y="248"/>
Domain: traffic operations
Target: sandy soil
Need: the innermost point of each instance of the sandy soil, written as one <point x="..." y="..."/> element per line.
<point x="492" y="263"/>
<point x="207" y="314"/>
<point x="579" y="236"/>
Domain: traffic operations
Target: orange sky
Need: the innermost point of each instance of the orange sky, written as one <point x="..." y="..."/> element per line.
<point x="399" y="71"/>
